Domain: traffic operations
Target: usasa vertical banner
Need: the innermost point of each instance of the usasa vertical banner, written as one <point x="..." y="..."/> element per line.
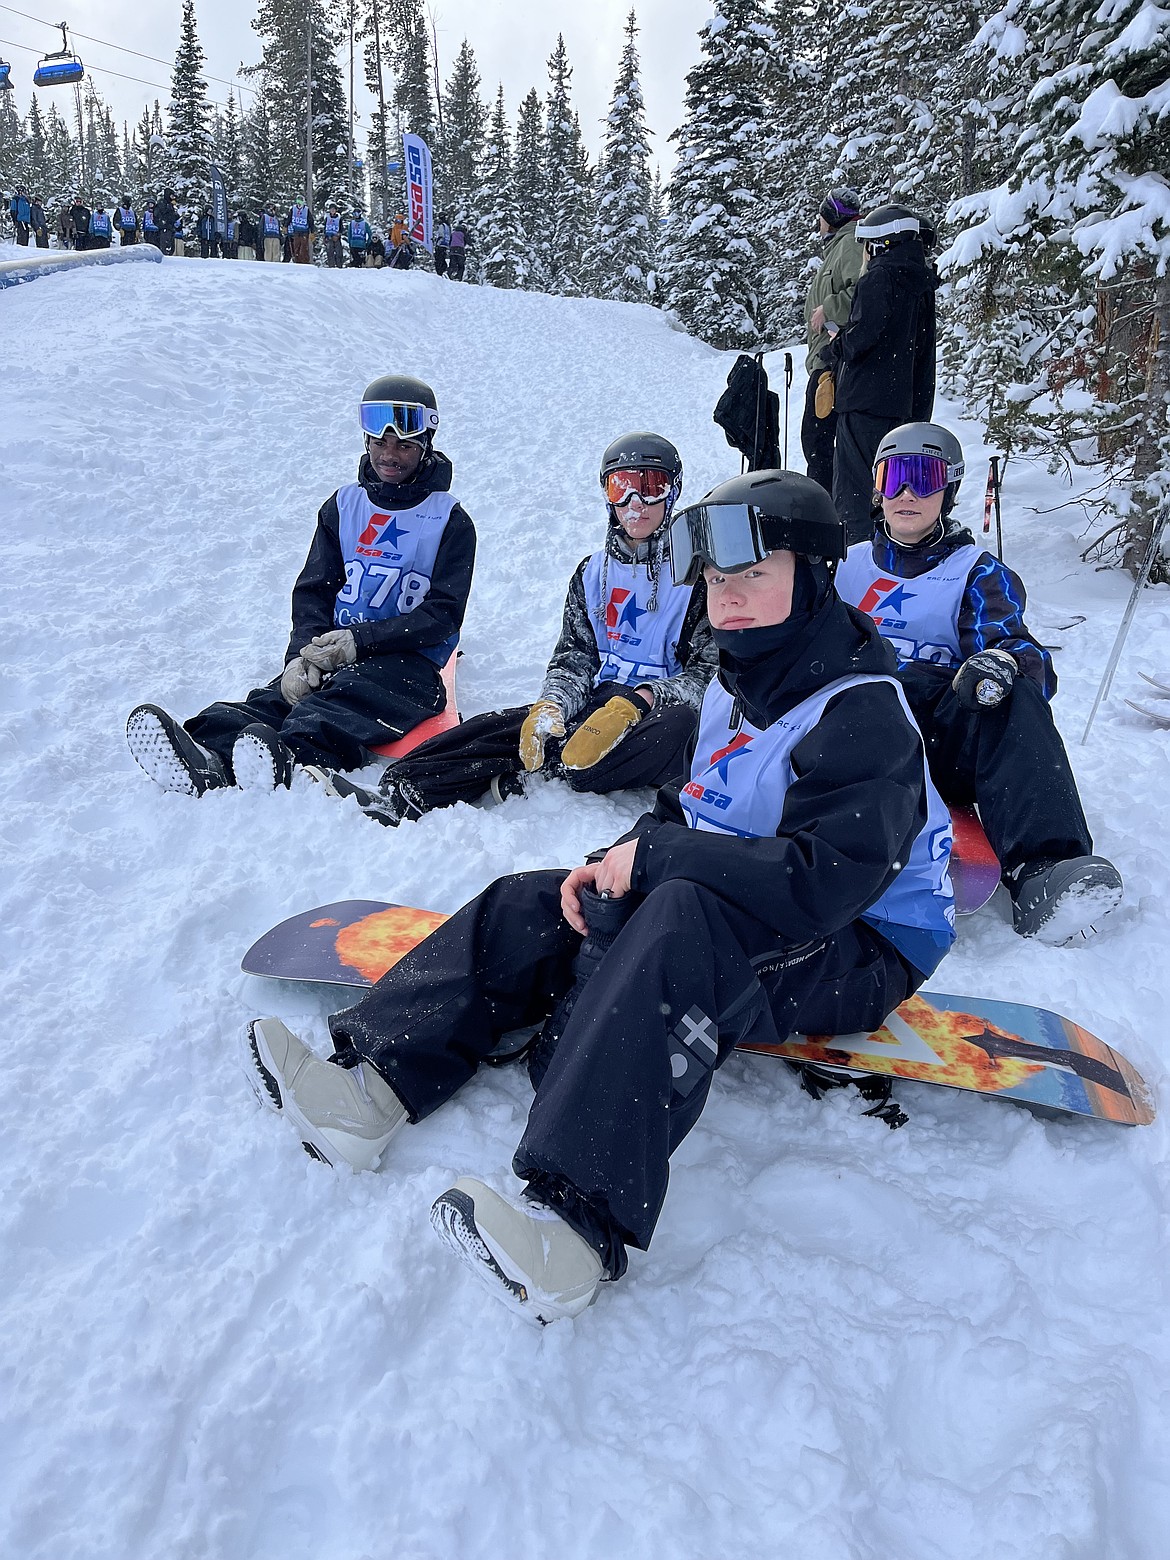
<point x="417" y="156"/>
<point x="218" y="201"/>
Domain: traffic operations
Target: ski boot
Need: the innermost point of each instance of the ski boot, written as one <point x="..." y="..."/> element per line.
<point x="341" y="1112"/>
<point x="172" y="759"/>
<point x="1053" y="901"/>
<point x="522" y="1251"/>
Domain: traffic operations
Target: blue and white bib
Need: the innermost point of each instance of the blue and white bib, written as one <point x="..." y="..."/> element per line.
<point x="299" y="219"/>
<point x="740" y="776"/>
<point x="635" y="644"/>
<point x="389" y="559"/>
<point x="920" y="617"/>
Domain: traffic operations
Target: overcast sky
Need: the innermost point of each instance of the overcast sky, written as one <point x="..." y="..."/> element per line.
<point x="512" y="40"/>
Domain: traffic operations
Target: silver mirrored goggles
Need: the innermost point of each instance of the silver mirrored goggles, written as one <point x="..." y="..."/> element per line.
<point x="727" y="536"/>
<point x="403" y="418"/>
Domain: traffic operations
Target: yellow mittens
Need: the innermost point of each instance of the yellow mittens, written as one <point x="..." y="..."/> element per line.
<point x="544" y="720"/>
<point x="602" y="732"/>
<point x="825" y="395"/>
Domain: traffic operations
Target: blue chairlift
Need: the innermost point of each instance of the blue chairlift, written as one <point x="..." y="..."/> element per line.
<point x="5" y="75"/>
<point x="62" y="69"/>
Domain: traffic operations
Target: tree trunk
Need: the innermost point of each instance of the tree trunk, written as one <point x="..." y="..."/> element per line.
<point x="1151" y="467"/>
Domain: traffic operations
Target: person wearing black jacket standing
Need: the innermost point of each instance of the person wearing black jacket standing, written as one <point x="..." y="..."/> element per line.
<point x="796" y="880"/>
<point x="166" y="214"/>
<point x="79" y="215"/>
<point x="879" y="356"/>
<point x="376" y="612"/>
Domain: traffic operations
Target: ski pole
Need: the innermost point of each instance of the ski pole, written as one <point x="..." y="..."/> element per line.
<point x="990" y="503"/>
<point x="761" y="381"/>
<point x="1131" y="608"/>
<point x="787" y="388"/>
<point x="998" y="514"/>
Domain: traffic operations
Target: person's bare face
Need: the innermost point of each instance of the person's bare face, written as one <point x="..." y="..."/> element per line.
<point x="395" y="460"/>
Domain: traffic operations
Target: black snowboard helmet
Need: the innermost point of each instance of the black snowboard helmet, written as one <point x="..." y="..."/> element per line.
<point x="928" y="442"/>
<point x="886" y="227"/>
<point x="742" y="520"/>
<point x="400" y="402"/>
<point x="644" y="452"/>
<point x="842" y="204"/>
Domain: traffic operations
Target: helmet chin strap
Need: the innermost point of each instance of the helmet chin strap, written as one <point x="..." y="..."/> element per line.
<point x="935" y="534"/>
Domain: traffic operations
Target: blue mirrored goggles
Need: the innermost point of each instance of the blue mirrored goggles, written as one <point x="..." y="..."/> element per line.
<point x="402" y="418"/>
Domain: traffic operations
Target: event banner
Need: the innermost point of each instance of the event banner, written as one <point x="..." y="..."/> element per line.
<point x="418" y="188"/>
<point x="218" y="201"/>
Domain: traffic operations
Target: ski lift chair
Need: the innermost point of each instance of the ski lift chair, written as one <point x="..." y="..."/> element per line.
<point x="62" y="69"/>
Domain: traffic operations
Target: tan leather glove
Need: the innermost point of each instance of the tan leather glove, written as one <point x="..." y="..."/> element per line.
<point x="602" y="732"/>
<point x="330" y="652"/>
<point x="544" y="720"/>
<point x="825" y="394"/>
<point x="298" y="680"/>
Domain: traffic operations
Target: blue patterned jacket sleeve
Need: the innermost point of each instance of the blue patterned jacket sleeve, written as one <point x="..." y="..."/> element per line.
<point x="992" y="618"/>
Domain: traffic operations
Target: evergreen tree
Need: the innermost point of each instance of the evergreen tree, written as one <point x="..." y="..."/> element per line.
<point x="373" y="31"/>
<point x="498" y="228"/>
<point x="566" y="182"/>
<point x="188" y="118"/>
<point x="229" y="154"/>
<point x="414" y="99"/>
<point x="258" y="175"/>
<point x="458" y="171"/>
<point x="62" y="174"/>
<point x="1063" y="275"/>
<point x="708" y="261"/>
<point x="621" y="254"/>
<point x="530" y="189"/>
<point x="36" y="148"/>
<point x="11" y="145"/>
<point x="287" y="29"/>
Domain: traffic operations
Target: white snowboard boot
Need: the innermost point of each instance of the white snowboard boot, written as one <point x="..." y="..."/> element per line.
<point x="524" y="1253"/>
<point x="346" y="1113"/>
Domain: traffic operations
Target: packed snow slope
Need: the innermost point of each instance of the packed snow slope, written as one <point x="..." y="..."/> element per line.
<point x="943" y="1343"/>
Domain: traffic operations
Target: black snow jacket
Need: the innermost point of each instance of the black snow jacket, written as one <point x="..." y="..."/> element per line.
<point x="991" y="615"/>
<point x="166" y="214"/>
<point x="436" y="618"/>
<point x="879" y="356"/>
<point x="572" y="672"/>
<point x="854" y="808"/>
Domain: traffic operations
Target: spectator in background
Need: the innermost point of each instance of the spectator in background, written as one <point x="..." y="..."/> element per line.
<point x="300" y="229"/>
<point x="180" y="236"/>
<point x="442" y="244"/>
<point x="826" y="309"/>
<point x="206" y="234"/>
<point x="333" y="257"/>
<point x="358" y="235"/>
<point x="270" y="233"/>
<point x="457" y="257"/>
<point x="245" y="237"/>
<point x="875" y="357"/>
<point x="229" y="244"/>
<point x="397" y="231"/>
<point x="79" y="215"/>
<point x="377" y="250"/>
<point x="402" y="258"/>
<point x="126" y="221"/>
<point x="65" y="233"/>
<point x="166" y="214"/>
<point x="38" y="222"/>
<point x="100" y="227"/>
<point x="150" y="228"/>
<point x="20" y="210"/>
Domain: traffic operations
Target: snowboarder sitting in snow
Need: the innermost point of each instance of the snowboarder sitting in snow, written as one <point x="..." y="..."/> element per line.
<point x="796" y="881"/>
<point x="376" y="612"/>
<point x="978" y="683"/>
<point x="622" y="691"/>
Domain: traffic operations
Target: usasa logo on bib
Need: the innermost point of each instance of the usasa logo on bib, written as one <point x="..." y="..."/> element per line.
<point x="720" y="761"/>
<point x="885" y="601"/>
<point x="622" y="613"/>
<point x="385" y="531"/>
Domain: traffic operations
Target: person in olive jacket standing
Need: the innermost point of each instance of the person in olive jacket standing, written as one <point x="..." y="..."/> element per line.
<point x="878" y="356"/>
<point x="826" y="309"/>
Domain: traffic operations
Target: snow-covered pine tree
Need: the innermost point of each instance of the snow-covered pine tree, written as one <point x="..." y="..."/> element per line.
<point x="1069" y="257"/>
<point x="567" y="182"/>
<point x="258" y="173"/>
<point x="795" y="173"/>
<point x="102" y="161"/>
<point x="414" y="98"/>
<point x="708" y="262"/>
<point x="459" y="169"/>
<point x="284" y="27"/>
<point x="11" y="146"/>
<point x="528" y="182"/>
<point x="61" y="164"/>
<point x="35" y="149"/>
<point x="376" y="58"/>
<point x="497" y="227"/>
<point x="229" y="153"/>
<point x="620" y="255"/>
<point x="188" y="131"/>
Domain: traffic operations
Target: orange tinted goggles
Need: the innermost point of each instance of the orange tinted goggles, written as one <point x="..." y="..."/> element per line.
<point x="643" y="482"/>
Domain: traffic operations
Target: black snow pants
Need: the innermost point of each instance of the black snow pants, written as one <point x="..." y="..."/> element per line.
<point x="817" y="435"/>
<point x="1010" y="761"/>
<point x="460" y="765"/>
<point x="688" y="977"/>
<point x="376" y="701"/>
<point x="857" y="439"/>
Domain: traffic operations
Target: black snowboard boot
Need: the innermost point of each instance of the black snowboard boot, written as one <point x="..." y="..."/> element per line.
<point x="1057" y="900"/>
<point x="387" y="806"/>
<point x="260" y="759"/>
<point x="171" y="758"/>
<point x="605" y="919"/>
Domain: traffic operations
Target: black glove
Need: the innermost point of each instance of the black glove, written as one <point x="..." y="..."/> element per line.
<point x="985" y="679"/>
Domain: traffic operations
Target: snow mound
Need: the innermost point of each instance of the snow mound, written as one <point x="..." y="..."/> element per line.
<point x="948" y="1341"/>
